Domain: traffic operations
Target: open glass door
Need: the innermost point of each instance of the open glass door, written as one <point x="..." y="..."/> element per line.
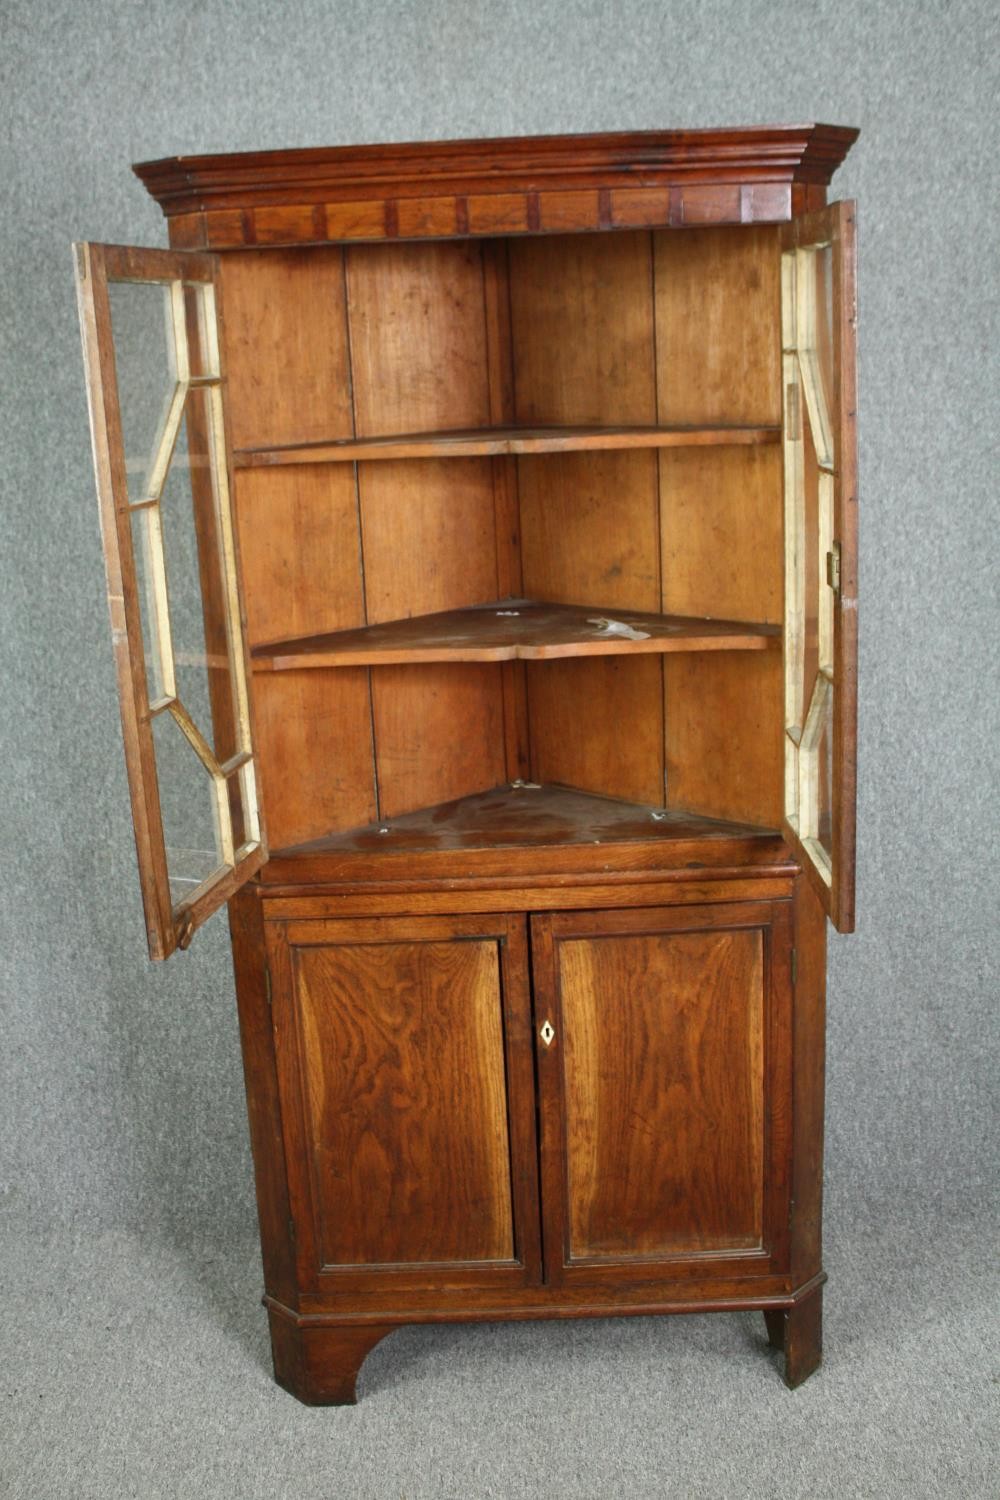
<point x="818" y="319"/>
<point x="154" y="385"/>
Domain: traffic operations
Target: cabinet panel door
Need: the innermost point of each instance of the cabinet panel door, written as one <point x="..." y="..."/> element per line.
<point x="818" y="320"/>
<point x="664" y="1068"/>
<point x="154" y="384"/>
<point x="407" y="1092"/>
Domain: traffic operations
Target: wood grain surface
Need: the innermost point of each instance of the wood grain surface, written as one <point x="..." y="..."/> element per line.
<point x="499" y="441"/>
<point x="662" y="1055"/>
<point x="512" y="630"/>
<point x="398" y="1041"/>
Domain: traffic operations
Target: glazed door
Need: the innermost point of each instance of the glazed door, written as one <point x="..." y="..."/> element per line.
<point x="663" y="1045"/>
<point x="154" y="384"/>
<point x="405" y="1070"/>
<point x="818" y="319"/>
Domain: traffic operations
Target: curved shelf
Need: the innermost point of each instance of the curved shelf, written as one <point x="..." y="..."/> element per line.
<point x="501" y="441"/>
<point x="513" y="630"/>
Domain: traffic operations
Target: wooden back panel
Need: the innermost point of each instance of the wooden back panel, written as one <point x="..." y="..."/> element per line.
<point x="343" y="344"/>
<point x="718" y="299"/>
<point x="643" y="328"/>
<point x="584" y="351"/>
<point x="631" y="328"/>
<point x="286" y="340"/>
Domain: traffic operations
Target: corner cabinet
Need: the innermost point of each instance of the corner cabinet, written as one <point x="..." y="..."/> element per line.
<point x="481" y="540"/>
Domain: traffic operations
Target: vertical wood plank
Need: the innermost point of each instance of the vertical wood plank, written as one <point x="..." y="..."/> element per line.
<point x="582" y="329"/>
<point x="420" y="361"/>
<point x="314" y="744"/>
<point x="286" y="346"/>
<point x="418" y="337"/>
<point x="506" y="504"/>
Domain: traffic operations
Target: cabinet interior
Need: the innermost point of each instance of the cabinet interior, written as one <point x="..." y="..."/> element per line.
<point x="582" y="420"/>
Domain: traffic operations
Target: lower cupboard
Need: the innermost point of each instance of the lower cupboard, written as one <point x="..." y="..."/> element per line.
<point x="527" y="1115"/>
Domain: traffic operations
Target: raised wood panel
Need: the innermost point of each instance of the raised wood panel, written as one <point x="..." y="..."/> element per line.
<point x="723" y="743"/>
<point x="404" y="1068"/>
<point x="662" y="1038"/>
<point x="286" y="347"/>
<point x="398" y="1042"/>
<point x="665" y="1087"/>
<point x="314" y="744"/>
<point x="718" y="303"/>
<point x="721" y="527"/>
<point x="418" y="337"/>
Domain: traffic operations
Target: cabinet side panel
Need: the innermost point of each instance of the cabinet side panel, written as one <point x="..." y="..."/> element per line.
<point x="664" y="1092"/>
<point x="402" y="1058"/>
<point x="583" y="352"/>
<point x="718" y="359"/>
<point x="263" y="1100"/>
<point x="808" y="1086"/>
<point x="420" y="362"/>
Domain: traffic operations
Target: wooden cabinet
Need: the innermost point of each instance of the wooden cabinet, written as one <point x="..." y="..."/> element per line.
<point x="480" y="524"/>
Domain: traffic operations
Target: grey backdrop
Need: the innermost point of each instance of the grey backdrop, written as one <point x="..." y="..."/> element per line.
<point x="121" y="1106"/>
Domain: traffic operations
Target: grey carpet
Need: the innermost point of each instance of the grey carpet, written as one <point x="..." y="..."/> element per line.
<point x="140" y="1368"/>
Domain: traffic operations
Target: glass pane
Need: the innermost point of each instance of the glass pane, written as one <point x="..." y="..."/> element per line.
<point x="196" y="582"/>
<point x="823" y="261"/>
<point x="155" y="625"/>
<point x="810" y="565"/>
<point x="189" y="809"/>
<point x="824" y="827"/>
<point x="199" y="320"/>
<point x="146" y="369"/>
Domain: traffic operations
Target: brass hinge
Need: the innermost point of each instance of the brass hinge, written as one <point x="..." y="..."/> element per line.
<point x="833" y="568"/>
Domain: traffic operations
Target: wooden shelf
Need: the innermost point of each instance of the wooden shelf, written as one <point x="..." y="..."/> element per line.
<point x="523" y="815"/>
<point x="500" y="441"/>
<point x="512" y="630"/>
